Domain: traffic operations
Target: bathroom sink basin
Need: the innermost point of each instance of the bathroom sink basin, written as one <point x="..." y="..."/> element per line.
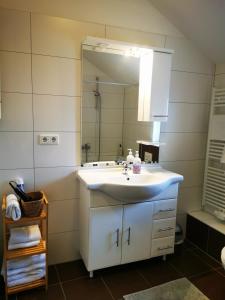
<point x="133" y="187"/>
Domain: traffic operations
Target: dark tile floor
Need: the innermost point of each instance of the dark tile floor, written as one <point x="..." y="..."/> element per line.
<point x="70" y="281"/>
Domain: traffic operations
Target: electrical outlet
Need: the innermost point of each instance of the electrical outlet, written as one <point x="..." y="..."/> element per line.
<point x="48" y="139"/>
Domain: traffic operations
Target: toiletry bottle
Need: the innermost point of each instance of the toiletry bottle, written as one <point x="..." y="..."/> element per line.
<point x="130" y="157"/>
<point x="137" y="164"/>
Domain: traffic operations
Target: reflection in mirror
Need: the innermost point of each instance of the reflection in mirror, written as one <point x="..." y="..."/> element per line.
<point x="110" y="105"/>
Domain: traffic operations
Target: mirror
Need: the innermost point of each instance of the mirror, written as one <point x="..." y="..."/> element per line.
<point x="110" y="104"/>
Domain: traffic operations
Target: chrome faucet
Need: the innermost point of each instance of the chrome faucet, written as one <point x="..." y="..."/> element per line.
<point x="125" y="168"/>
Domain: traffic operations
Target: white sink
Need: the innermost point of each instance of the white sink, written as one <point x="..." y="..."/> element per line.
<point x="134" y="187"/>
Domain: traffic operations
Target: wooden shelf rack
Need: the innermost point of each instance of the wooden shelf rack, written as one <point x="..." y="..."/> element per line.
<point x="42" y="247"/>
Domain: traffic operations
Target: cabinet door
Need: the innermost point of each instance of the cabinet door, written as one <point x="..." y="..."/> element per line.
<point x="105" y="237"/>
<point x="137" y="231"/>
<point x="160" y="86"/>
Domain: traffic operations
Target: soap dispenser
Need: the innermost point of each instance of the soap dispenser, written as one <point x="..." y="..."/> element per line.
<point x="137" y="164"/>
<point x="130" y="157"/>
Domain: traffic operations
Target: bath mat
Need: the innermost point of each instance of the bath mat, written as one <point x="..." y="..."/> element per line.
<point x="180" y="289"/>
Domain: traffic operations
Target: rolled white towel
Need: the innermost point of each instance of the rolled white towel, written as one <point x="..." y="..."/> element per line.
<point x="26" y="278"/>
<point x="25" y="262"/>
<point x="24" y="274"/>
<point x="22" y="245"/>
<point x="13" y="207"/>
<point x="27" y="269"/>
<point x="24" y="234"/>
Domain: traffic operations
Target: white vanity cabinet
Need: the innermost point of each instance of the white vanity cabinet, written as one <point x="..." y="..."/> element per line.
<point x="105" y="236"/>
<point x="113" y="232"/>
<point x="136" y="234"/>
<point x="119" y="234"/>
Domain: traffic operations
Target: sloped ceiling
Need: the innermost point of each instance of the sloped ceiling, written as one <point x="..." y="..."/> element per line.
<point x="202" y="21"/>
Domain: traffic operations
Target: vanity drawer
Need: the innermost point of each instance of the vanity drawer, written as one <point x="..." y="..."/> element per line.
<point x="162" y="228"/>
<point x="162" y="246"/>
<point x="164" y="209"/>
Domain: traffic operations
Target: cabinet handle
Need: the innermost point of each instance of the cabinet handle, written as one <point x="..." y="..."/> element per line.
<point x="117" y="237"/>
<point x="165" y="248"/>
<point x="128" y="239"/>
<point x="165" y="229"/>
<point x="165" y="210"/>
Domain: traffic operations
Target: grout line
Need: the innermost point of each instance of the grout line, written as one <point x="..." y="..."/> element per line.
<point x="75" y="279"/>
<point x="23" y="93"/>
<point x="165" y="41"/>
<point x="199" y="274"/>
<point x="69" y="96"/>
<point x="191" y="103"/>
<point x="32" y="89"/>
<point x="192" y="72"/>
<point x="57" y="273"/>
<point x="56" y="56"/>
<point x="60" y="283"/>
<point x="143" y="277"/>
<point x="15" y="51"/>
<point x="39" y="94"/>
<point x="204" y="132"/>
<point x="106" y="286"/>
<point x="105" y="27"/>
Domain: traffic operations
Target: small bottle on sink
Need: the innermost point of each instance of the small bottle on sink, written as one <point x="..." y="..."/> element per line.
<point x="130" y="157"/>
<point x="137" y="164"/>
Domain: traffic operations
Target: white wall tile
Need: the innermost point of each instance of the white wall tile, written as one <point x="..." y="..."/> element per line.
<point x="193" y="171"/>
<point x="131" y="97"/>
<point x="112" y="101"/>
<point x="130" y="116"/>
<point x="182" y="146"/>
<point x="190" y="87"/>
<point x="187" y="57"/>
<point x="61" y="37"/>
<point x="189" y="199"/>
<point x="56" y="113"/>
<point x="186" y="117"/>
<point x="56" y="76"/>
<point x="110" y="146"/>
<point x="14" y="30"/>
<point x="89" y="129"/>
<point x="16" y="150"/>
<point x="16" y="112"/>
<point x="220" y="69"/>
<point x="220" y="81"/>
<point x="112" y="115"/>
<point x="65" y="211"/>
<point x="134" y="36"/>
<point x="65" y="154"/>
<point x="63" y="247"/>
<point x="7" y="175"/>
<point x="15" y="72"/>
<point x="58" y="183"/>
<point x="89" y="114"/>
<point x="111" y="131"/>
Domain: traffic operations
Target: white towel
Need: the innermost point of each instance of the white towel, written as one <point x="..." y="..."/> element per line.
<point x="22" y="245"/>
<point x="25" y="262"/>
<point x="24" y="274"/>
<point x="26" y="277"/>
<point x="24" y="234"/>
<point x="24" y="270"/>
<point x="13" y="207"/>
